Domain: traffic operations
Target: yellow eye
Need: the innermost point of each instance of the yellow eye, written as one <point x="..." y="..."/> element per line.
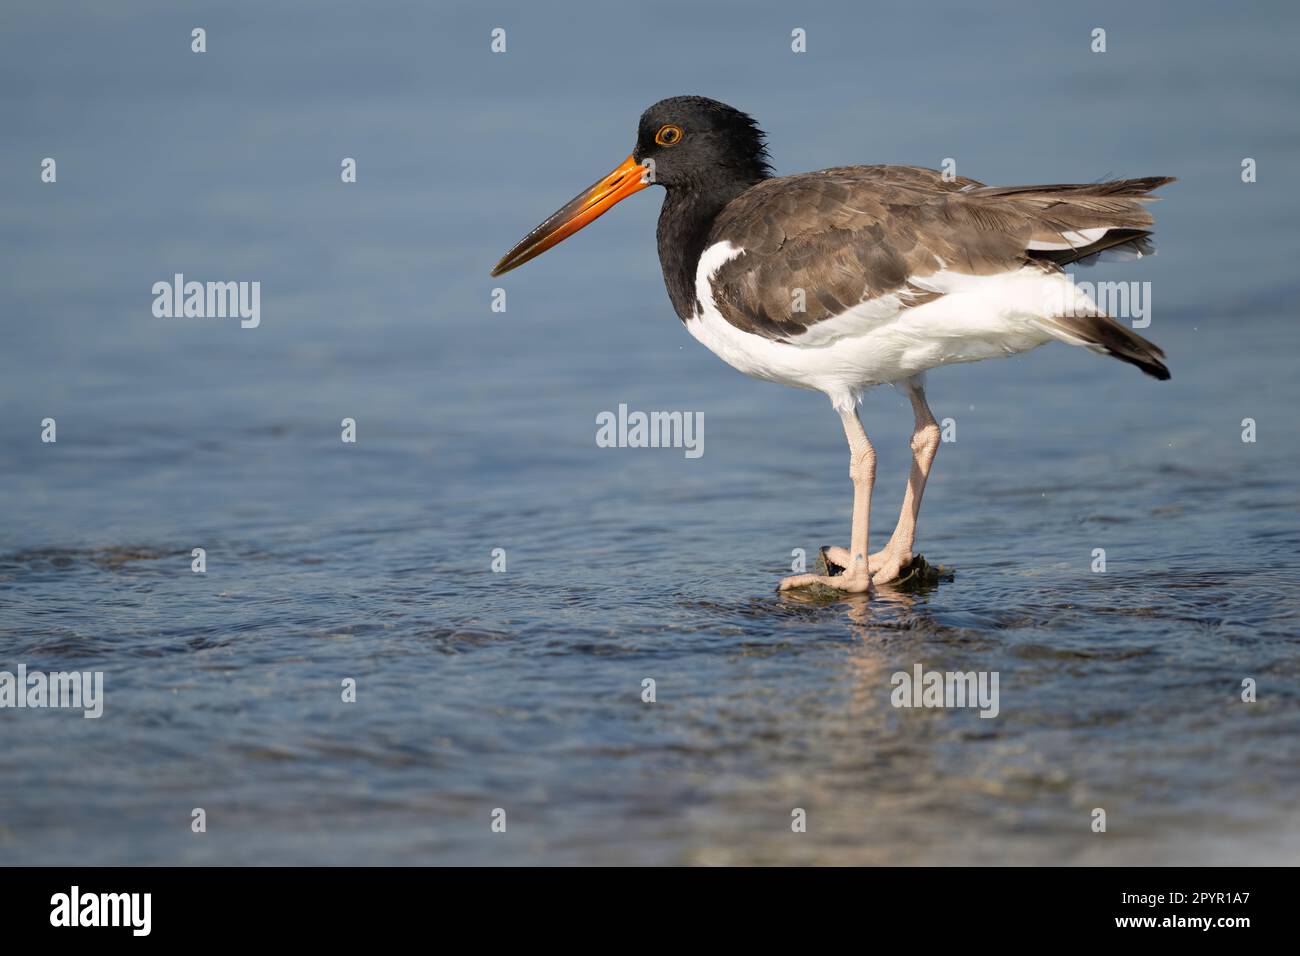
<point x="669" y="135"/>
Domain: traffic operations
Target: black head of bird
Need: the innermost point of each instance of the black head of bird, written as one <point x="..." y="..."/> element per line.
<point x="685" y="142"/>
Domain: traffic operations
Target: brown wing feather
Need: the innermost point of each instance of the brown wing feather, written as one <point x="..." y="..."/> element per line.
<point x="848" y="235"/>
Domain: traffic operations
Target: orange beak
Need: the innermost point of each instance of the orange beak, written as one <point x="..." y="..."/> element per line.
<point x="630" y="177"/>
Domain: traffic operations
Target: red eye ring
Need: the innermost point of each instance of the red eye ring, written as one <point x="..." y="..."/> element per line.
<point x="669" y="135"/>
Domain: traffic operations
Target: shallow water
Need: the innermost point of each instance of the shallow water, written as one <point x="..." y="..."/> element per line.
<point x="522" y="690"/>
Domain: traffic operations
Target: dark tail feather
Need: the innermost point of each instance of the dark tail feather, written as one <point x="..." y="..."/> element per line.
<point x="1118" y="206"/>
<point x="1102" y="334"/>
<point x="1114" y="187"/>
<point x="1116" y="243"/>
<point x="1133" y="187"/>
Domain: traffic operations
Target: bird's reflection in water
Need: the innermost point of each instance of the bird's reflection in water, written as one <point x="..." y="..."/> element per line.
<point x="877" y="622"/>
<point x="879" y="769"/>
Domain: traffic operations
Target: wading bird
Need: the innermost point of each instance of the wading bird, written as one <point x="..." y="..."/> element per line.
<point x="857" y="276"/>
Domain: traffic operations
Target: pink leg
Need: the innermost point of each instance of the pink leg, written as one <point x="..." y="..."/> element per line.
<point x="897" y="554"/>
<point x="862" y="469"/>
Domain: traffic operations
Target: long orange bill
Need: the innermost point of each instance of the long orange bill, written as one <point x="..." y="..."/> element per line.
<point x="630" y="177"/>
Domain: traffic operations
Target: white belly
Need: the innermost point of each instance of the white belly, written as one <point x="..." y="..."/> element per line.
<point x="881" y="341"/>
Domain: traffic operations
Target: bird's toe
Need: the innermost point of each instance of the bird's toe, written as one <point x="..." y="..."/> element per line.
<point x="853" y="583"/>
<point x="890" y="568"/>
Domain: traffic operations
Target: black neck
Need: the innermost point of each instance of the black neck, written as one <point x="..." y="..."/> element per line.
<point x="684" y="223"/>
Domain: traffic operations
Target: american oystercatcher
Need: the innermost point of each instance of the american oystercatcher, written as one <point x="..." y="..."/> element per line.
<point x="857" y="276"/>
